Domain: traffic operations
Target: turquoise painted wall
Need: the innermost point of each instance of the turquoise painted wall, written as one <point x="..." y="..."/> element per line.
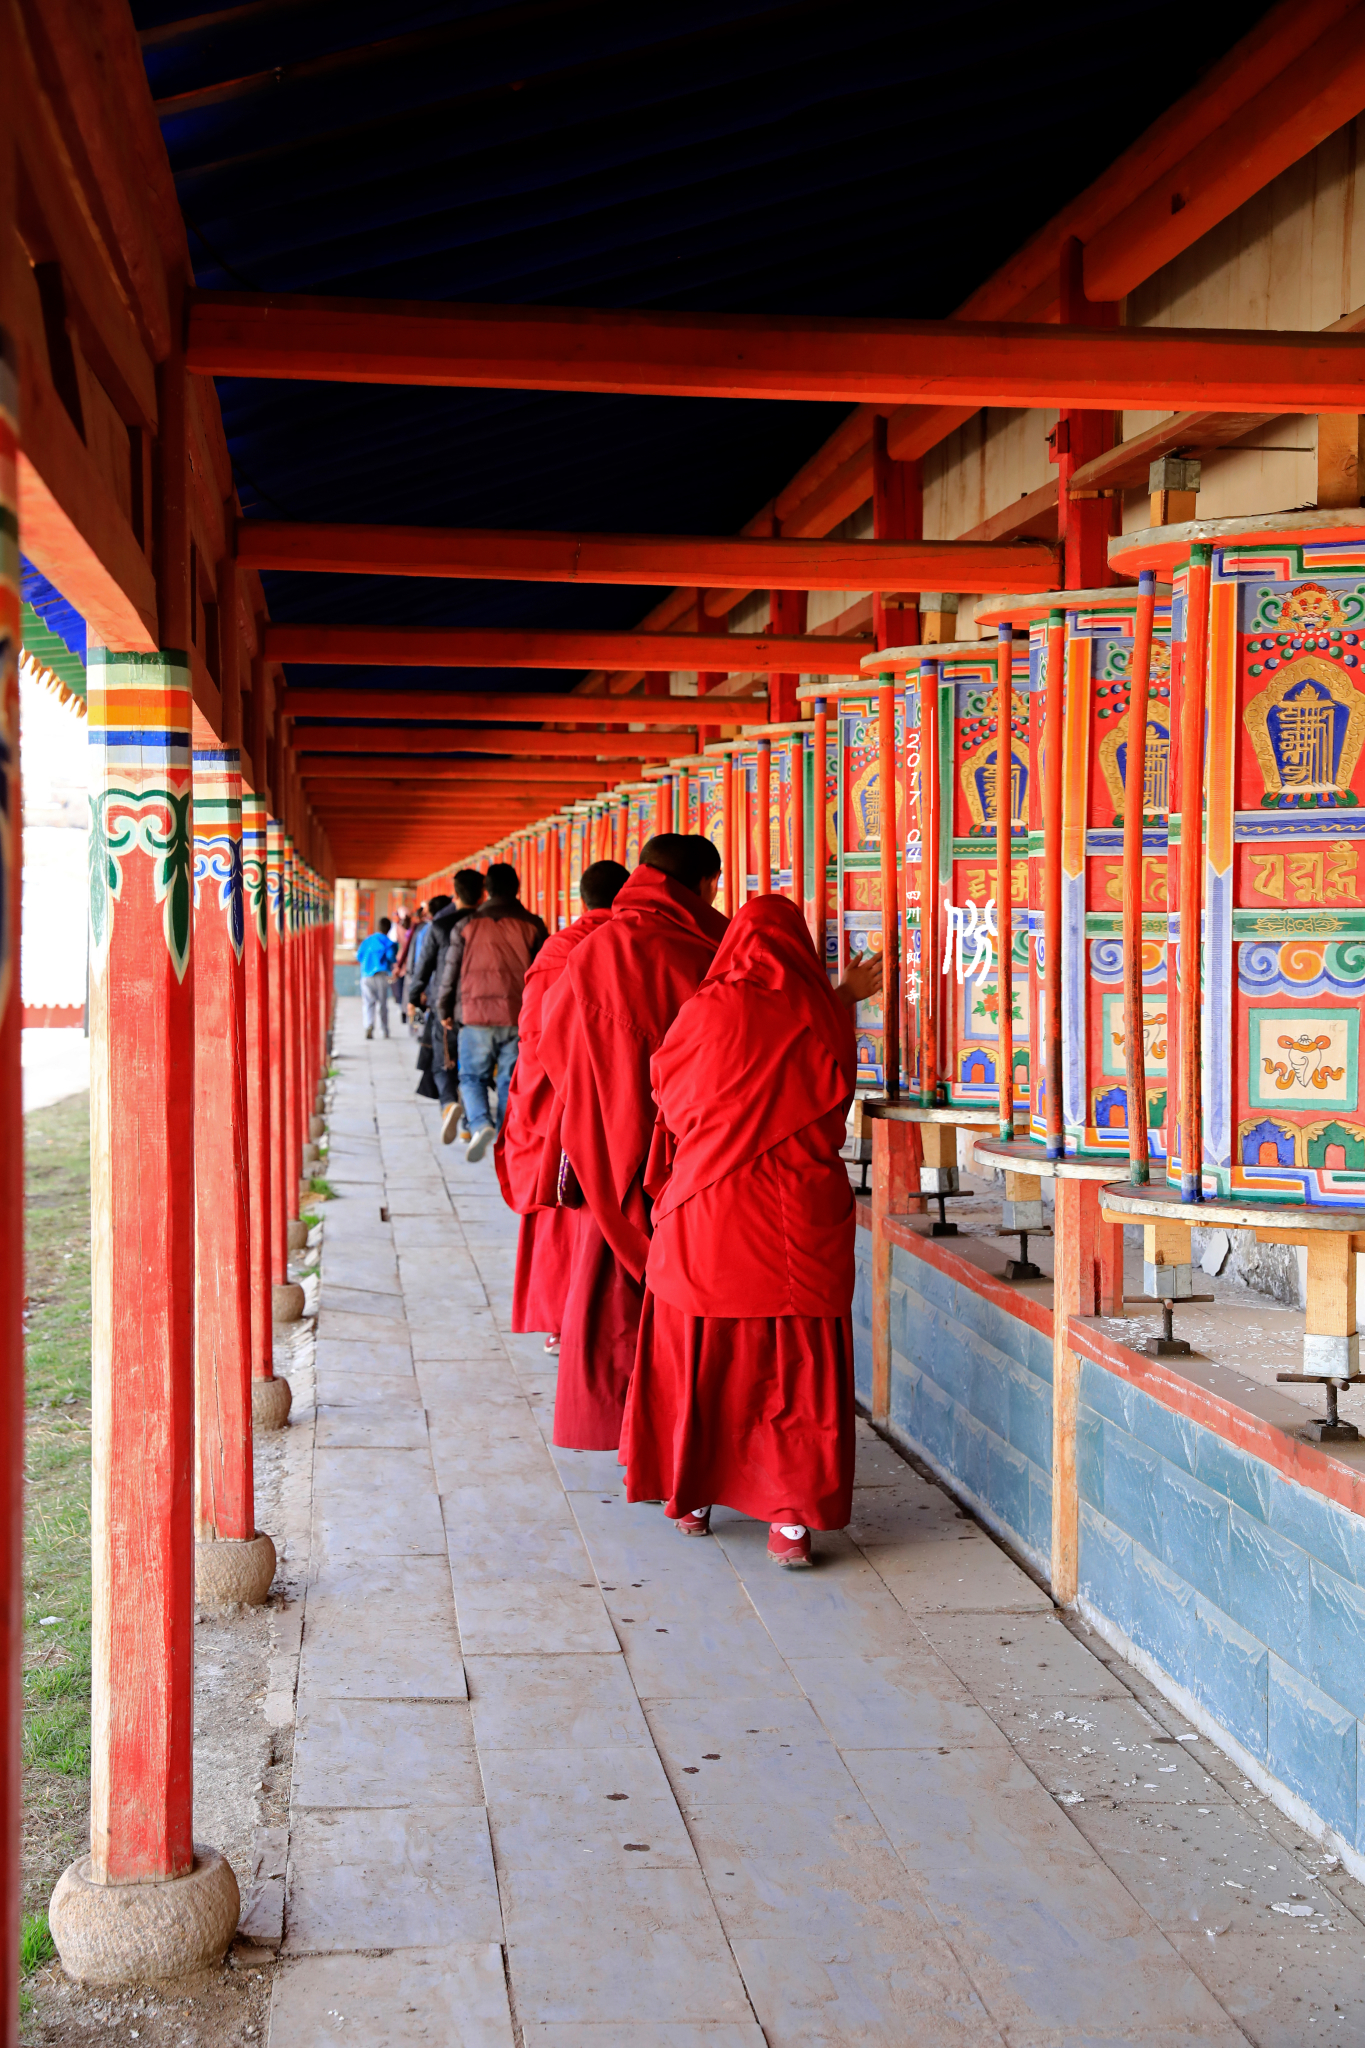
<point x="1247" y="1589"/>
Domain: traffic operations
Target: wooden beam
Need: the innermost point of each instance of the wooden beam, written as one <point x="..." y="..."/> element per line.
<point x="555" y="773"/>
<point x="562" y="746"/>
<point x="531" y="710"/>
<point x="714" y="355"/>
<point x="506" y="647"/>
<point x="647" y="558"/>
<point x="1125" y="467"/>
<point x="74" y="530"/>
<point x="1293" y="112"/>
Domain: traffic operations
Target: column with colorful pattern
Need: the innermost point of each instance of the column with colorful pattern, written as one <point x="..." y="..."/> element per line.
<point x="270" y="1397"/>
<point x="234" y="1564"/>
<point x="145" y="1888"/>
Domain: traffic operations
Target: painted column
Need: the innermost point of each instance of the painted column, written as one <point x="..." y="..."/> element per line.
<point x="279" y="1201"/>
<point x="897" y="1153"/>
<point x="232" y="1564"/>
<point x="142" y="1274"/>
<point x="11" y="1199"/>
<point x="293" y="1139"/>
<point x="269" y="1396"/>
<point x="763" y="821"/>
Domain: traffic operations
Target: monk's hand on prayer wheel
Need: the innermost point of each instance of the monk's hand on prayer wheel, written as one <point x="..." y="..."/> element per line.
<point x="862" y="982"/>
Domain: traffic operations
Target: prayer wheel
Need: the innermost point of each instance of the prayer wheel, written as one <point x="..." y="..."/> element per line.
<point x="1265" y="1125"/>
<point x="1078" y="1096"/>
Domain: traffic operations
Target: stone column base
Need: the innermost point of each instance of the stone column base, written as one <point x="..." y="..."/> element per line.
<point x="236" y="1572"/>
<point x="286" y="1302"/>
<point x="296" y="1235"/>
<point x="316" y="1126"/>
<point x="141" y="1933"/>
<point x="271" y="1401"/>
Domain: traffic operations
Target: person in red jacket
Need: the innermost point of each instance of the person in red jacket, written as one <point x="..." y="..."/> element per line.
<point x="743" y="1385"/>
<point x="528" y="1148"/>
<point x="602" y="1023"/>
<point x="485" y="966"/>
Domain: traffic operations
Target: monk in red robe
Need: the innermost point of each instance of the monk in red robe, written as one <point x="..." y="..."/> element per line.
<point x="528" y="1149"/>
<point x="603" y="1022"/>
<point x="743" y="1385"/>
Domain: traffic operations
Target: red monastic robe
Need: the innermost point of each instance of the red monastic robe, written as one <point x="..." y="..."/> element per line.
<point x="603" y="1022"/>
<point x="743" y="1384"/>
<point x="527" y="1152"/>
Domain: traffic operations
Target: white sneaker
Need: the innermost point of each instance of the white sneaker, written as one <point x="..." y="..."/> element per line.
<point x="450" y="1123"/>
<point x="480" y="1143"/>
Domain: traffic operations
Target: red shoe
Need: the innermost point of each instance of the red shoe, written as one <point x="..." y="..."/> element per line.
<point x="552" y="1343"/>
<point x="698" y="1523"/>
<point x="789" y="1546"/>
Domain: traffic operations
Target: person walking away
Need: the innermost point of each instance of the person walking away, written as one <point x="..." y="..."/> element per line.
<point x="743" y="1385"/>
<point x="374" y="957"/>
<point x="608" y="1015"/>
<point x="407" y="932"/>
<point x="527" y="1154"/>
<point x="449" y="914"/>
<point x="481" y="984"/>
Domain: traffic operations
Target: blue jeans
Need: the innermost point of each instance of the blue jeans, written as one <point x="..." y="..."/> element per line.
<point x="485" y="1049"/>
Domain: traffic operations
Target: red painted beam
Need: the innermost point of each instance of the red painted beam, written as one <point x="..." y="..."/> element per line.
<point x="496" y="647"/>
<point x="736" y="355"/>
<point x="564" y="746"/>
<point x="537" y="710"/>
<point x="315" y="767"/>
<point x="734" y="564"/>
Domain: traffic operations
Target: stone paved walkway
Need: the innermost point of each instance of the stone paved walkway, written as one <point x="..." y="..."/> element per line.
<point x="564" y="1780"/>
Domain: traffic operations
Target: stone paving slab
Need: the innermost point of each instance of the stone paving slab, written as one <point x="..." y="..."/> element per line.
<point x="387" y="1753"/>
<point x="386" y="1878"/>
<point x="384" y="1629"/>
<point x="413" y="1998"/>
<point x="894" y="1801"/>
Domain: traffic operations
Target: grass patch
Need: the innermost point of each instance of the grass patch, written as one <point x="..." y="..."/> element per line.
<point x="321" y="1190"/>
<point x="56" y="1665"/>
<point x="36" y="1945"/>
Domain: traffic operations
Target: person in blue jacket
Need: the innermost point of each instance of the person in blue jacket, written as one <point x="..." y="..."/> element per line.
<point x="375" y="957"/>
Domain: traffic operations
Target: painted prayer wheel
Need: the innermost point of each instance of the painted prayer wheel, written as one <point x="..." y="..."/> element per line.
<point x="852" y="835"/>
<point x="1076" y="867"/>
<point x="1268" y="679"/>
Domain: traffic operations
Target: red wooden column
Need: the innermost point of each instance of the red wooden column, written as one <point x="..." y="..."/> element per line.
<point x="897" y="1151"/>
<point x="763" y="821"/>
<point x="269" y="1397"/>
<point x="1084" y="525"/>
<point x="232" y="1563"/>
<point x="1076" y="1292"/>
<point x="729" y="888"/>
<point x="820" y="827"/>
<point x="786" y="615"/>
<point x="142" y="1274"/>
<point x="280" y="1204"/>
<point x="293" y="1102"/>
<point x="797" y="772"/>
<point x="11" y="1160"/>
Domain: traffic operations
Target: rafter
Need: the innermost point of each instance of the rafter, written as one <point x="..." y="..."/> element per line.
<point x="742" y="564"/>
<point x="562" y="746"/>
<point x="529" y="710"/>
<point x="509" y="647"/>
<point x="734" y="355"/>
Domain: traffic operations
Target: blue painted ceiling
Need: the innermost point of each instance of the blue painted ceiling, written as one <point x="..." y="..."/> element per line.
<point x="714" y="154"/>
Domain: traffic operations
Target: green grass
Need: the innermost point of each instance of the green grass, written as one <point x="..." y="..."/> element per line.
<point x="56" y="1668"/>
<point x="36" y="1945"/>
<point x="321" y="1190"/>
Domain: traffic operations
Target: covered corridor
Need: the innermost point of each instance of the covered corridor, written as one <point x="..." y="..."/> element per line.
<point x="691" y="1802"/>
<point x="917" y="463"/>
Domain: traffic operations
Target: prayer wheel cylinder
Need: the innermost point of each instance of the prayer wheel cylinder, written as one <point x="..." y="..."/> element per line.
<point x="1278" y="603"/>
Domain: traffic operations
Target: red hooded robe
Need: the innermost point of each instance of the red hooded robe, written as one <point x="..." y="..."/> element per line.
<point x="743" y="1386"/>
<point x="600" y="1027"/>
<point x="527" y="1154"/>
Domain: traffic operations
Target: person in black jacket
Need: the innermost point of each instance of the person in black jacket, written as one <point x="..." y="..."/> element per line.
<point x="447" y="916"/>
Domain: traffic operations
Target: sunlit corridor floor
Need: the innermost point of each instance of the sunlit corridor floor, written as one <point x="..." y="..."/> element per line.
<point x="565" y="1779"/>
